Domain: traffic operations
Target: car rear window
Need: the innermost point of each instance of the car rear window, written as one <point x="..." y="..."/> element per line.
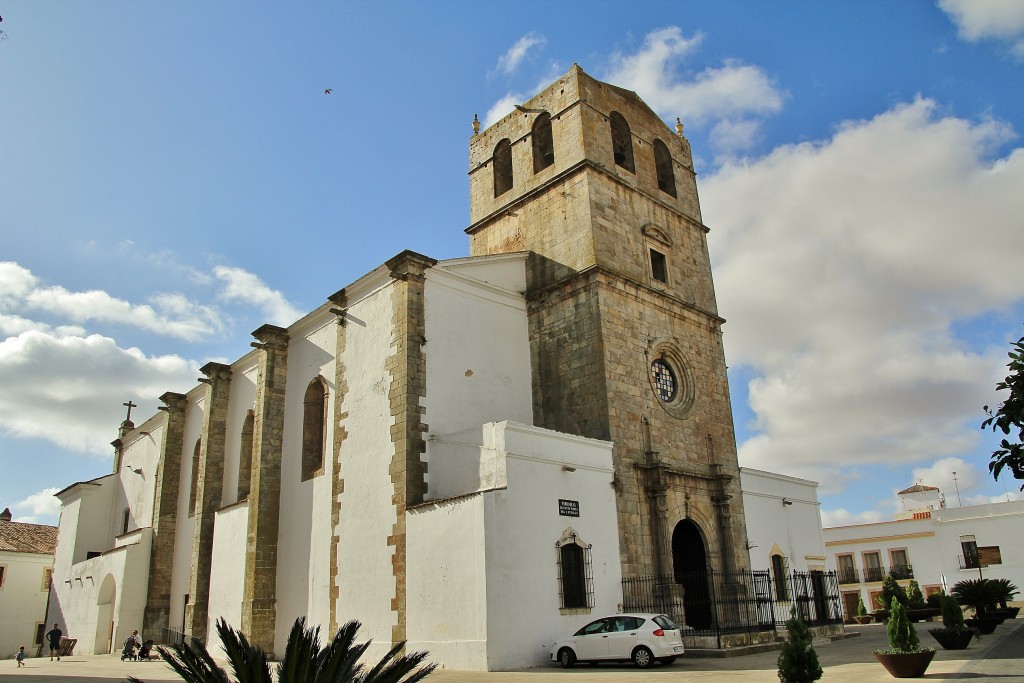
<point x="666" y="623"/>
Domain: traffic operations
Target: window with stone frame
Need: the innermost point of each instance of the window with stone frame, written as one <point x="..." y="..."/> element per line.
<point x="314" y="428"/>
<point x="780" y="578"/>
<point x="659" y="265"/>
<point x="245" y="455"/>
<point x="126" y="516"/>
<point x="575" y="572"/>
<point x="663" y="168"/>
<point x="502" y="161"/>
<point x="3" y="574"/>
<point x="622" y="142"/>
<point x="194" y="488"/>
<point x="40" y="632"/>
<point x="543" y="143"/>
<point x="47" y="578"/>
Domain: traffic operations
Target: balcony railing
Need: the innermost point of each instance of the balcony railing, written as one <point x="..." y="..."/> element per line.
<point x="969" y="562"/>
<point x="902" y="571"/>
<point x="849" y="576"/>
<point x="873" y="574"/>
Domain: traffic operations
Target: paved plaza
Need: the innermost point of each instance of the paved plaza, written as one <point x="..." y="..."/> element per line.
<point x="999" y="657"/>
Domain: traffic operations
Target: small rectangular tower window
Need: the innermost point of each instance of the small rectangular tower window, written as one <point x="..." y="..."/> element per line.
<point x="659" y="266"/>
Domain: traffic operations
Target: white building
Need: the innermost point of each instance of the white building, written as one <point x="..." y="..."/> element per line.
<point x="26" y="564"/>
<point x="785" y="537"/>
<point x="929" y="542"/>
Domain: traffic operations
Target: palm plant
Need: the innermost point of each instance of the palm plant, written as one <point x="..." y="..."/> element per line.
<point x="304" y="660"/>
<point x="981" y="594"/>
<point x="1004" y="591"/>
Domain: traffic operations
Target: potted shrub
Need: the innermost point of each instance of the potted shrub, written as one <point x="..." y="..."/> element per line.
<point x="953" y="635"/>
<point x="905" y="657"/>
<point x="917" y="608"/>
<point x="1004" y="591"/>
<point x="862" y="617"/>
<point x="981" y="595"/>
<point x="798" y="662"/>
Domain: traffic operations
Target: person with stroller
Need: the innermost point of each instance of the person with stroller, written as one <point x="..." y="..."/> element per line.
<point x="131" y="644"/>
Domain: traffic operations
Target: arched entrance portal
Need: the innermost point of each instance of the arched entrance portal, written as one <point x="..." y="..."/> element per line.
<point x="105" y="616"/>
<point x="690" y="564"/>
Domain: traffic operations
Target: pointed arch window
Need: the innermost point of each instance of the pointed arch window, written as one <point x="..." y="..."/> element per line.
<point x="502" y="167"/>
<point x="245" y="455"/>
<point x="314" y="428"/>
<point x="663" y="167"/>
<point x="194" y="489"/>
<point x="575" y="572"/>
<point x="622" y="142"/>
<point x="543" y="143"/>
<point x="779" y="577"/>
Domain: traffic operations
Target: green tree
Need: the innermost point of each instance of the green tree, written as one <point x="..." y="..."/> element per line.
<point x="892" y="589"/>
<point x="304" y="660"/>
<point x="915" y="599"/>
<point x="798" y="662"/>
<point x="1008" y="418"/>
<point x="902" y="636"/>
<point x="952" y="614"/>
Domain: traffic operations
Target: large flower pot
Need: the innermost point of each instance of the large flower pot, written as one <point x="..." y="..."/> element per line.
<point x="863" y="619"/>
<point x="950" y="639"/>
<point x="906" y="664"/>
<point x="985" y="625"/>
<point x="1006" y="612"/>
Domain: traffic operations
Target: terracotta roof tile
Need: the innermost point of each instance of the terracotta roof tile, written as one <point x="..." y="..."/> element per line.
<point x="21" y="537"/>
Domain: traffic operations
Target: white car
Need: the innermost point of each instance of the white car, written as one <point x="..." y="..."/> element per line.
<point x="640" y="638"/>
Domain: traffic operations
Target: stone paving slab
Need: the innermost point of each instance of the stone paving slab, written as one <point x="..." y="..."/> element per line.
<point x="999" y="657"/>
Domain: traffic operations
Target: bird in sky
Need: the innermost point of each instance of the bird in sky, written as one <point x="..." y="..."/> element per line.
<point x="328" y="91"/>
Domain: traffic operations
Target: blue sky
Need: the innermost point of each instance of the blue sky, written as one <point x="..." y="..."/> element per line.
<point x="173" y="175"/>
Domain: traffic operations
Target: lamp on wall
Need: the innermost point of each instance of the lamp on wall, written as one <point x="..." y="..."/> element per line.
<point x="786" y="501"/>
<point x="568" y="468"/>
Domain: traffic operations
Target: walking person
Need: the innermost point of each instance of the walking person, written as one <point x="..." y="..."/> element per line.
<point x="54" y="635"/>
<point x="21" y="656"/>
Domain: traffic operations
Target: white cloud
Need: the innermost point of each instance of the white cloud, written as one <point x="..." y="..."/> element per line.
<point x="510" y="61"/>
<point x="843" y="517"/>
<point x="241" y="285"/>
<point x="39" y="505"/>
<point x="15" y="282"/>
<point x="842" y="273"/>
<point x="502" y="107"/>
<point x="68" y="389"/>
<point x="170" y="314"/>
<point x="996" y="19"/>
<point x="730" y="97"/>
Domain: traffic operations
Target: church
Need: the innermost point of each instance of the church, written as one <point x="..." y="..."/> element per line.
<point x="473" y="455"/>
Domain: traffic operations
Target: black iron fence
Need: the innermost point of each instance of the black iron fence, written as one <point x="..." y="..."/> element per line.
<point x="712" y="604"/>
<point x="168" y="636"/>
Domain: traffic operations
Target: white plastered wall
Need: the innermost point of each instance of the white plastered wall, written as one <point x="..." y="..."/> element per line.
<point x="22" y="600"/>
<point x="227" y="570"/>
<point x="783" y="515"/>
<point x="483" y="575"/>
<point x="304" y="538"/>
<point x="365" y="577"/>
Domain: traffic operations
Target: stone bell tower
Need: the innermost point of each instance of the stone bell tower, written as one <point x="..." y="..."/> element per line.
<point x="625" y="336"/>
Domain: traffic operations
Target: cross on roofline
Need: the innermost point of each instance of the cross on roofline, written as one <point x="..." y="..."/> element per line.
<point x="130" y="406"/>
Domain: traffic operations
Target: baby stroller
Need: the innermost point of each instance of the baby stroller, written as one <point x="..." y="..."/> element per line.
<point x="129" y="649"/>
<point x="146" y="652"/>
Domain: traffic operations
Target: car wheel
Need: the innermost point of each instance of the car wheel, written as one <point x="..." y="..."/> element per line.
<point x="566" y="657"/>
<point x="667" y="660"/>
<point x="642" y="657"/>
